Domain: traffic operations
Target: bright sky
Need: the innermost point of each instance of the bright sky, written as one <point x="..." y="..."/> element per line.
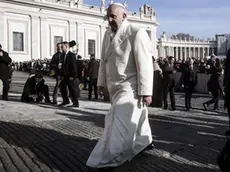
<point x="200" y="18"/>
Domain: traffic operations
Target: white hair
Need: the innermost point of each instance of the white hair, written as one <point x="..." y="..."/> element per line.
<point x="119" y="4"/>
<point x="121" y="7"/>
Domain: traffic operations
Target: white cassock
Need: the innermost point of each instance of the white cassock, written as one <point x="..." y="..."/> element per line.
<point x="126" y="69"/>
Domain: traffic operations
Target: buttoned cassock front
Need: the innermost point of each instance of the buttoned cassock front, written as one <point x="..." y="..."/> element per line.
<point x="126" y="69"/>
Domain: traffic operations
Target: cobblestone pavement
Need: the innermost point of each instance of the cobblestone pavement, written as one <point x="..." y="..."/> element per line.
<point x="44" y="138"/>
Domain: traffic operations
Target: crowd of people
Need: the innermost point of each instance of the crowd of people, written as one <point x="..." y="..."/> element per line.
<point x="165" y="80"/>
<point x="202" y="65"/>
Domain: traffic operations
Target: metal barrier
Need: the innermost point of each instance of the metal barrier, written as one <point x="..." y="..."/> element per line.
<point x="201" y="86"/>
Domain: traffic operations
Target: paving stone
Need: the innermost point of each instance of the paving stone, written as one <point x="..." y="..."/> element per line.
<point x="2" y="169"/>
<point x="17" y="161"/>
<point x="27" y="160"/>
<point x="7" y="162"/>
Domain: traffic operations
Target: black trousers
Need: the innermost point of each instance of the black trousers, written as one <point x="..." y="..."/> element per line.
<point x="215" y="99"/>
<point x="227" y="104"/>
<point x="93" y="86"/>
<point x="56" y="88"/>
<point x="73" y="86"/>
<point x="189" y="89"/>
<point x="6" y="87"/>
<point x="228" y="108"/>
<point x="171" y="91"/>
<point x="85" y="82"/>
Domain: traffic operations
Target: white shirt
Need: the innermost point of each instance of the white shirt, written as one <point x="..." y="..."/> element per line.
<point x="65" y="55"/>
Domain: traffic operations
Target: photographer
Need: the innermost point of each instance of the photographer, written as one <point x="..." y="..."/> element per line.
<point x="35" y="89"/>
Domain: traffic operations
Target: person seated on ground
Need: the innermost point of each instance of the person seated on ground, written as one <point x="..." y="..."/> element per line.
<point x="35" y="90"/>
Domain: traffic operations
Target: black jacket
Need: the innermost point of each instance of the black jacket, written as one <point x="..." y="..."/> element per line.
<point x="214" y="83"/>
<point x="5" y="61"/>
<point x="93" y="69"/>
<point x="226" y="82"/>
<point x="56" y="59"/>
<point x="30" y="88"/>
<point x="80" y="67"/>
<point x="188" y="76"/>
<point x="70" y="66"/>
<point x="168" y="75"/>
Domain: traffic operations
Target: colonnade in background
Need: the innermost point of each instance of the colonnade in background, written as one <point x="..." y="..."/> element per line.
<point x="184" y="52"/>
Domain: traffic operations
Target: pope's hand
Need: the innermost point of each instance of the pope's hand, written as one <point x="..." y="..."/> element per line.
<point x="223" y="94"/>
<point x="100" y="90"/>
<point x="1" y="53"/>
<point x="147" y="100"/>
<point x="71" y="78"/>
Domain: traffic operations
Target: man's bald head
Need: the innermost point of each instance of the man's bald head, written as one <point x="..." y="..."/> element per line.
<point x="116" y="14"/>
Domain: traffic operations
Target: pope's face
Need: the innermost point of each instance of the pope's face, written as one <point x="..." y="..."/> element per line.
<point x="115" y="16"/>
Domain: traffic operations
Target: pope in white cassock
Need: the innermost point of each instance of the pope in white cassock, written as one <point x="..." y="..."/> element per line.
<point x="126" y="69"/>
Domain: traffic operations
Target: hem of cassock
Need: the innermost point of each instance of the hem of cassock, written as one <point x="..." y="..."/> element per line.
<point x="105" y="169"/>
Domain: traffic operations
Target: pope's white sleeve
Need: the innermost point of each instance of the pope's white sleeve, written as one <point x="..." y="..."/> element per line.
<point x="143" y="57"/>
<point x="101" y="72"/>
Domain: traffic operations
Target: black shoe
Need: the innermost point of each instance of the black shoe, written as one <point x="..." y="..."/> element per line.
<point x="227" y="133"/>
<point x="150" y="146"/>
<point x="165" y="107"/>
<point x="74" y="105"/>
<point x="48" y="101"/>
<point x="205" y="106"/>
<point x="54" y="103"/>
<point x="216" y="108"/>
<point x="63" y="104"/>
<point x="187" y="109"/>
<point x="107" y="169"/>
<point x="173" y="109"/>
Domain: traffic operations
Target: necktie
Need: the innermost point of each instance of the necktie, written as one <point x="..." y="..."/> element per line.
<point x="65" y="57"/>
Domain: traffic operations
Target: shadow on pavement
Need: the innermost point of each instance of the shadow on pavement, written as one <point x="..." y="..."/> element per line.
<point x="48" y="149"/>
<point x="191" y="142"/>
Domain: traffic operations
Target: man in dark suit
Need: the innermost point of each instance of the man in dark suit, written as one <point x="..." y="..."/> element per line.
<point x="56" y="68"/>
<point x="70" y="77"/>
<point x="226" y="85"/>
<point x="169" y="82"/>
<point x="93" y="75"/>
<point x="5" y="61"/>
<point x="189" y="81"/>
